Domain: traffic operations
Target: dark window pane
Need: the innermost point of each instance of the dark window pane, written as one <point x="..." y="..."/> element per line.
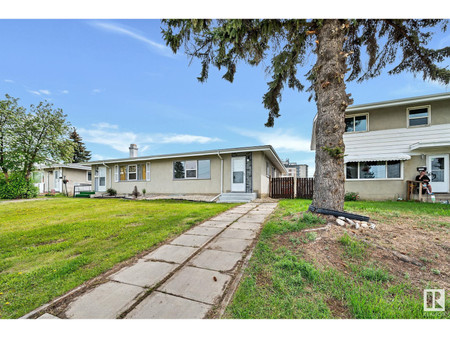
<point x="102" y="181"/>
<point x="393" y="169"/>
<point x="372" y="169"/>
<point x="422" y="112"/>
<point x="178" y="169"/>
<point x="360" y="123"/>
<point x="352" y="170"/>
<point x="238" y="177"/>
<point x="349" y="124"/>
<point x="437" y="169"/>
<point x="191" y="173"/>
<point x="418" y="122"/>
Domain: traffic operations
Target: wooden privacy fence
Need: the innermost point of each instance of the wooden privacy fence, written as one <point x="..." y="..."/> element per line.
<point x="282" y="187"/>
<point x="305" y="187"/>
<point x="289" y="187"/>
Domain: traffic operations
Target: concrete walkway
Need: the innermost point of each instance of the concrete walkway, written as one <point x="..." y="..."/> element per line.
<point x="183" y="279"/>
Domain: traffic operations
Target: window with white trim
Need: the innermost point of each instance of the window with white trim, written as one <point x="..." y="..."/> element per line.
<point x="418" y="116"/>
<point x="200" y="169"/>
<point x="89" y="176"/>
<point x="132" y="172"/>
<point x="356" y="123"/>
<point x="373" y="170"/>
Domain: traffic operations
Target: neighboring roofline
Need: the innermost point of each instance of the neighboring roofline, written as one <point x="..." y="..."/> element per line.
<point x="193" y="154"/>
<point x="398" y="102"/>
<point x="68" y="166"/>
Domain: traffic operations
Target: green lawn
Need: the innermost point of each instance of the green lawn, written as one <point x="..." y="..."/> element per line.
<point x="282" y="281"/>
<point x="48" y="247"/>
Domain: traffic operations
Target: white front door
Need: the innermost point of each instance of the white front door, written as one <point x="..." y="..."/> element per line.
<point x="438" y="170"/>
<point x="58" y="180"/>
<point x="238" y="174"/>
<point x="100" y="179"/>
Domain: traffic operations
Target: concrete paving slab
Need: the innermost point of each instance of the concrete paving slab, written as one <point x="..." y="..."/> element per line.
<point x="194" y="241"/>
<point x="216" y="260"/>
<point x="204" y="231"/>
<point x="144" y="274"/>
<point x="253" y="218"/>
<point x="48" y="316"/>
<point x="163" y="306"/>
<point x="226" y="217"/>
<point x="106" y="301"/>
<point x="229" y="244"/>
<point x="171" y="253"/>
<point x="215" y="224"/>
<point x="197" y="284"/>
<point x="245" y="226"/>
<point x="238" y="233"/>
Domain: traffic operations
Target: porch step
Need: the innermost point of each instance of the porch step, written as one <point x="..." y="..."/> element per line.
<point x="237" y="197"/>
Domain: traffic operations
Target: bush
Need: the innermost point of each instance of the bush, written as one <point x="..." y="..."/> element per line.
<point x="351" y="196"/>
<point x="17" y="186"/>
<point x="144" y="192"/>
<point x="135" y="193"/>
<point x="111" y="192"/>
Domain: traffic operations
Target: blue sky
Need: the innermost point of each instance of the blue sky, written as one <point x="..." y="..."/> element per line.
<point x="119" y="84"/>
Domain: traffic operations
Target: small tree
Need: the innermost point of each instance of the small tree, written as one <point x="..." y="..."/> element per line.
<point x="135" y="193"/>
<point x="80" y="153"/>
<point x="42" y="137"/>
<point x="11" y="114"/>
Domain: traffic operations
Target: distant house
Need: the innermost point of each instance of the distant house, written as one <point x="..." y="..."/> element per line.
<point x="386" y="142"/>
<point x="50" y="178"/>
<point x="295" y="170"/>
<point x="234" y="173"/>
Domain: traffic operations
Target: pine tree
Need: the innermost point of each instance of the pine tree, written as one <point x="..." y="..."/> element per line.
<point x="338" y="45"/>
<point x="80" y="153"/>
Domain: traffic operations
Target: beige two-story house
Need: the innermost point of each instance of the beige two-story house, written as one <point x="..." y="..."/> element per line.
<point x="233" y="174"/>
<point x="386" y="142"/>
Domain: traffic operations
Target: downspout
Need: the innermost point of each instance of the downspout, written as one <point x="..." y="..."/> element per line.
<point x="221" y="176"/>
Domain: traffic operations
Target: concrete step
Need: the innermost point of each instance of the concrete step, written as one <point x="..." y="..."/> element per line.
<point x="237" y="197"/>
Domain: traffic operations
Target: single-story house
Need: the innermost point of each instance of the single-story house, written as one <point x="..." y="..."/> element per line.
<point x="245" y="171"/>
<point x="387" y="142"/>
<point x="49" y="178"/>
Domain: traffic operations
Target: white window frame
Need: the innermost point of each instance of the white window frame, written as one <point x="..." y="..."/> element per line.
<point x="428" y="106"/>
<point x="87" y="175"/>
<point x="376" y="179"/>
<point x="147" y="171"/>
<point x="135" y="172"/>
<point x="186" y="170"/>
<point x="196" y="170"/>
<point x="355" y="115"/>
<point x="116" y="173"/>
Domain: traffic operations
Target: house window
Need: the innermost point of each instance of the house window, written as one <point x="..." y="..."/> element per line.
<point x="89" y="176"/>
<point x="192" y="169"/>
<point x="356" y="123"/>
<point x="418" y="116"/>
<point x="123" y="173"/>
<point x="267" y="169"/>
<point x="373" y="170"/>
<point x="132" y="172"/>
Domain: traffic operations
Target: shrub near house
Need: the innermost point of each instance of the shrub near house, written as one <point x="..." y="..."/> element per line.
<point x="16" y="186"/>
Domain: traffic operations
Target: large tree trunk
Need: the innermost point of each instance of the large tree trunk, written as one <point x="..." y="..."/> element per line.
<point x="331" y="100"/>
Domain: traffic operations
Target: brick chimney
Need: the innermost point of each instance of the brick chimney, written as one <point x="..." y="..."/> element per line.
<point x="133" y="150"/>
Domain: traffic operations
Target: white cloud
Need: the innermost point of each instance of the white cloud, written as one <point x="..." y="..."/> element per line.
<point x="105" y="125"/>
<point x="281" y="140"/>
<point x="132" y="33"/>
<point x="97" y="90"/>
<point x="40" y="92"/>
<point x="97" y="157"/>
<point x="8" y="81"/>
<point x="110" y="135"/>
<point x="65" y="91"/>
